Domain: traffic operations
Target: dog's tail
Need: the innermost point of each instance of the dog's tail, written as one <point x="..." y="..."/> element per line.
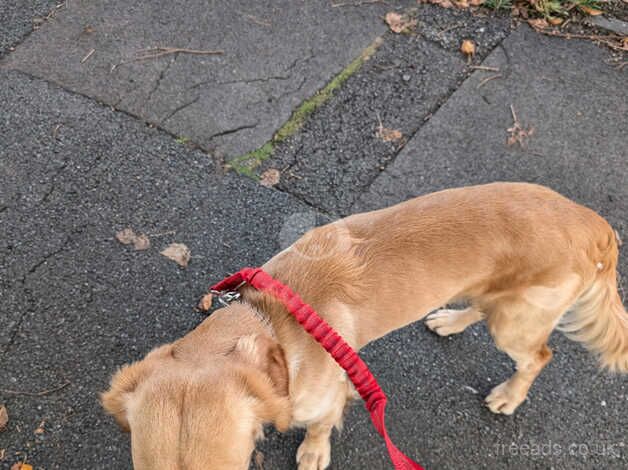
<point x="598" y="319"/>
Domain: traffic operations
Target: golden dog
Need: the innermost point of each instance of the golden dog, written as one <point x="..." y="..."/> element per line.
<point x="525" y="258"/>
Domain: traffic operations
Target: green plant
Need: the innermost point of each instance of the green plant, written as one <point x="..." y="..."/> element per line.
<point x="498" y="4"/>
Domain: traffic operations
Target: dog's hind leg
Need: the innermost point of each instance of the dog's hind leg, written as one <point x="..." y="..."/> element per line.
<point x="523" y="336"/>
<point x="521" y="325"/>
<point x="449" y="322"/>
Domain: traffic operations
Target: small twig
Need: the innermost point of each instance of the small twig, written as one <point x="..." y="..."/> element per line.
<point x="162" y="234"/>
<point x="89" y="54"/>
<point x="517" y="133"/>
<point x="55" y="131"/>
<point x="514" y="115"/>
<point x="156" y="52"/>
<point x="484" y="67"/>
<point x="36" y="394"/>
<point x="488" y="79"/>
<point x="256" y="20"/>
<point x="608" y="39"/>
<point x="357" y="4"/>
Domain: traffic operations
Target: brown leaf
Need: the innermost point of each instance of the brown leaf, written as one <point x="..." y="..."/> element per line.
<point x="467" y="47"/>
<point x="270" y="177"/>
<point x="4" y="418"/>
<point x="388" y="135"/>
<point x="590" y="11"/>
<point x="125" y="236"/>
<point x="554" y="21"/>
<point x="454" y="3"/>
<point x="205" y="303"/>
<point x="440" y="3"/>
<point x="178" y="253"/>
<point x="40" y="429"/>
<point x="21" y="466"/>
<point x="141" y="242"/>
<point x="538" y="23"/>
<point x="399" y="23"/>
<point x="128" y="236"/>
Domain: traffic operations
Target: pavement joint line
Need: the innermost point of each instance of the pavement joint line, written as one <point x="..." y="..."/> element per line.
<point x="307" y="203"/>
<point x="113" y="108"/>
<point x="246" y="164"/>
<point x="383" y="167"/>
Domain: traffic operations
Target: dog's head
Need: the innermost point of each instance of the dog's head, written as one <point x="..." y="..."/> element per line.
<point x="201" y="402"/>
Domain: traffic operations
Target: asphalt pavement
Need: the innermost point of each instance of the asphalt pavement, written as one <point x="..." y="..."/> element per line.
<point x="86" y="151"/>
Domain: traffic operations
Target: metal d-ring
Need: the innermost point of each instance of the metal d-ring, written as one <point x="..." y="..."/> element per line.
<point x="225" y="297"/>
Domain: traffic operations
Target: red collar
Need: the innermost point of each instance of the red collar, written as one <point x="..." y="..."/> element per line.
<point x="357" y="370"/>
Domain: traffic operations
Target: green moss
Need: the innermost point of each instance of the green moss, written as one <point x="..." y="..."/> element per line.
<point x="247" y="163"/>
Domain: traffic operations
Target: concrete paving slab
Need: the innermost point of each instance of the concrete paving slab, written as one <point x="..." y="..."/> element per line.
<point x="18" y="18"/>
<point x="563" y="90"/>
<point x="275" y="54"/>
<point x="337" y="154"/>
<point x="78" y="303"/>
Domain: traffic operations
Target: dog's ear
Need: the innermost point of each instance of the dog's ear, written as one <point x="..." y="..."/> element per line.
<point x="267" y="378"/>
<point x="268" y="356"/>
<point x="125" y="381"/>
<point x="123" y="384"/>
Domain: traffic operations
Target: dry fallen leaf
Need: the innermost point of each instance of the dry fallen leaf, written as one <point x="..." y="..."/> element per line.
<point x="40" y="429"/>
<point x="454" y="3"/>
<point x="125" y="236"/>
<point x="128" y="236"/>
<point x="21" y="466"/>
<point x="4" y="417"/>
<point x="141" y="242"/>
<point x="178" y="253"/>
<point x="205" y="303"/>
<point x="590" y="11"/>
<point x="554" y="21"/>
<point x="270" y="177"/>
<point x="538" y="23"/>
<point x="467" y="47"/>
<point x="399" y="23"/>
<point x="388" y="135"/>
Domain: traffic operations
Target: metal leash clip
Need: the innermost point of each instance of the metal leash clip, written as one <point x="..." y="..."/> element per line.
<point x="225" y="297"/>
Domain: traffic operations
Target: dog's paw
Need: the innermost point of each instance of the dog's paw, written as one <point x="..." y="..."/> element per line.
<point x="503" y="399"/>
<point x="445" y="322"/>
<point x="314" y="455"/>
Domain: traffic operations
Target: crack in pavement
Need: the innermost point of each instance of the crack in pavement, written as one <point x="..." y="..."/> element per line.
<point x="22" y="281"/>
<point x="161" y="76"/>
<point x="53" y="182"/>
<point x="287" y="75"/>
<point x="179" y="108"/>
<point x="233" y="131"/>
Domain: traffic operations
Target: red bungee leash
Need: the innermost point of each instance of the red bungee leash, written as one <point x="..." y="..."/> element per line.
<point x="357" y="370"/>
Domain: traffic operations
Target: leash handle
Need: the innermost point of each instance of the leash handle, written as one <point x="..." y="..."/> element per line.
<point x="346" y="357"/>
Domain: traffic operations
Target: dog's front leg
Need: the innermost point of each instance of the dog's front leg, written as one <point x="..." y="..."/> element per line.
<point x="314" y="453"/>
